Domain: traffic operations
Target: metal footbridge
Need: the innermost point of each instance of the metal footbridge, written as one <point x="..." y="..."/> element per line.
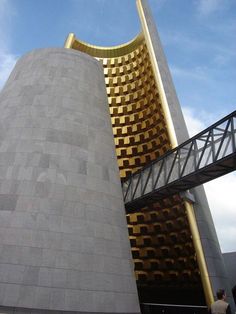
<point x="204" y="157"/>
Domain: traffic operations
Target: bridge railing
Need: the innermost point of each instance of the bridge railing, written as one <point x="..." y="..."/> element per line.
<point x="151" y="308"/>
<point x="187" y="165"/>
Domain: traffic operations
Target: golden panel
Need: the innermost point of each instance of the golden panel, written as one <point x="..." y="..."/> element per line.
<point x="137" y="117"/>
<point x="162" y="246"/>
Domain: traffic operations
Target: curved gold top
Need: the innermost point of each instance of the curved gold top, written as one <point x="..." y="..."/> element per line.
<point x="104" y="52"/>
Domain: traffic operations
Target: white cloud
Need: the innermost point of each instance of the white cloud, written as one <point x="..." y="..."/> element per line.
<point x="206" y="7"/>
<point x="221" y="197"/>
<point x="156" y="6"/>
<point x="196" y="73"/>
<point x="7" y="59"/>
<point x="221" y="54"/>
<point x="3" y="4"/>
<point x="194" y="125"/>
<point x="7" y="12"/>
<point x="220" y="192"/>
<point x="7" y="62"/>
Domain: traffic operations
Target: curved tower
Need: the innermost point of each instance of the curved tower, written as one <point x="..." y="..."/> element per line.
<point x="64" y="244"/>
<point x="174" y="244"/>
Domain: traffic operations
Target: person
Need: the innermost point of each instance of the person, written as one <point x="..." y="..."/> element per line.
<point x="220" y="306"/>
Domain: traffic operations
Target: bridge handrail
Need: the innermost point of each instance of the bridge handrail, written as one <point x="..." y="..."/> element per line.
<point x="171" y="151"/>
<point x="207" y="137"/>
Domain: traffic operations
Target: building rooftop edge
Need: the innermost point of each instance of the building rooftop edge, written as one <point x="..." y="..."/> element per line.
<point x="106" y="51"/>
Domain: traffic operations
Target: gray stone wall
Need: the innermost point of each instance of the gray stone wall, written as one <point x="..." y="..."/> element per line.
<point x="230" y="262"/>
<point x="63" y="234"/>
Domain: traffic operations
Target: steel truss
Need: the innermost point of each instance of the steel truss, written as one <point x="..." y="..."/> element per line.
<point x="204" y="157"/>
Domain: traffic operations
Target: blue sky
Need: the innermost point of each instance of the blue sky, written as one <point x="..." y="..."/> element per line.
<point x="199" y="41"/>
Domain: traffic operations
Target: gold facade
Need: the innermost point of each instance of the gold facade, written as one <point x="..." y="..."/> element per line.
<point x="163" y="249"/>
<point x="136" y="113"/>
<point x="138" y="121"/>
<point x="162" y="246"/>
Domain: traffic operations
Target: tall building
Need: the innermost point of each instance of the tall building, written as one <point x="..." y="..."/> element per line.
<point x="147" y="121"/>
<point x="63" y="234"/>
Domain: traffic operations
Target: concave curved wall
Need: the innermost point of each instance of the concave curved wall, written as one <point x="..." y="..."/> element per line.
<point x="63" y="234"/>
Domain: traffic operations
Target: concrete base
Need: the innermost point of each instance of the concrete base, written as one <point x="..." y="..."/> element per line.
<point x="14" y="310"/>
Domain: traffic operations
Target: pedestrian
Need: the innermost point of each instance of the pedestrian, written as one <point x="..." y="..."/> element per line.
<point x="220" y="306"/>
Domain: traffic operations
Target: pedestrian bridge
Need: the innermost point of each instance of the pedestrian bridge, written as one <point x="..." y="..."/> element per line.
<point x="204" y="157"/>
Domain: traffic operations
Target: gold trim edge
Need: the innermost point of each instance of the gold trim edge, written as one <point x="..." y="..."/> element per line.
<point x="157" y="75"/>
<point x="206" y="283"/>
<point x="103" y="52"/>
